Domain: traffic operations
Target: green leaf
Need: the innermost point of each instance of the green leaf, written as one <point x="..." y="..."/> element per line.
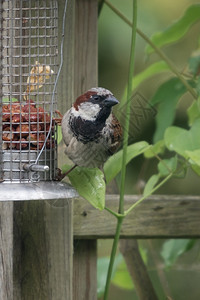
<point x="177" y="30"/>
<point x="151" y="184"/>
<point x="90" y="184"/>
<point x="167" y="96"/>
<point x="167" y="166"/>
<point x="194" y="156"/>
<point x="122" y="278"/>
<point x="194" y="63"/>
<point x="102" y="270"/>
<point x="193" y="112"/>
<point x="182" y="140"/>
<point x="113" y="165"/>
<point x="198" y="85"/>
<point x="7" y="100"/>
<point x="59" y="134"/>
<point x="151" y="70"/>
<point x="196" y="169"/>
<point x="157" y="148"/>
<point x="173" y="248"/>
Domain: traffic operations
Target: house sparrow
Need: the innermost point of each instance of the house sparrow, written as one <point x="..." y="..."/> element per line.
<point x="90" y="131"/>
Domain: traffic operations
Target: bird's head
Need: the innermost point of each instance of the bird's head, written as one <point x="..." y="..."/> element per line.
<point x="95" y="104"/>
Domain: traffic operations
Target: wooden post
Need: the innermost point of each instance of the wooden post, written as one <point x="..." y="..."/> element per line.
<point x="84" y="266"/>
<point x="43" y="230"/>
<point x="6" y="253"/>
<point x="86" y="46"/>
<point x="6" y="209"/>
<point x="43" y="250"/>
<point x="85" y="254"/>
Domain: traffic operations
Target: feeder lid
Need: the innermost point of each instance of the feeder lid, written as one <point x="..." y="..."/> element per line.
<point x="42" y="190"/>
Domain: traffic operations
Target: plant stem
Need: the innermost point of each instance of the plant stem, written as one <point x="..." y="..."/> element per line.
<point x="113" y="212"/>
<point x="112" y="257"/>
<point x="120" y="219"/>
<point x="150" y="193"/>
<point x="159" y="52"/>
<point x="120" y="215"/>
<point x="128" y="109"/>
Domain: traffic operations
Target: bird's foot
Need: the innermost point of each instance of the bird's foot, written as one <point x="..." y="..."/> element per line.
<point x="60" y="176"/>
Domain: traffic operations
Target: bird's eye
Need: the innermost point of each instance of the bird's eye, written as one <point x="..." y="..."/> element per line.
<point x="96" y="97"/>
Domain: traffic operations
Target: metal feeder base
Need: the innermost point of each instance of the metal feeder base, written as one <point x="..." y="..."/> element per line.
<point x="36" y="191"/>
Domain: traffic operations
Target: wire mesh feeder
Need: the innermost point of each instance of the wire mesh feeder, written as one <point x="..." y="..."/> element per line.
<point x="28" y="69"/>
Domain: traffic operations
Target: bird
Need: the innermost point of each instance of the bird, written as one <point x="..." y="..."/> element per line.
<point x="90" y="130"/>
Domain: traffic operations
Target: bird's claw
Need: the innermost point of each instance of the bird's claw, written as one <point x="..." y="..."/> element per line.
<point x="59" y="175"/>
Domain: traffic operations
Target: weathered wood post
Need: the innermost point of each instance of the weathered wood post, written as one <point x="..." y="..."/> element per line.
<point x="43" y="230"/>
<point x="85" y="77"/>
<point x="36" y="228"/>
<point x="6" y="250"/>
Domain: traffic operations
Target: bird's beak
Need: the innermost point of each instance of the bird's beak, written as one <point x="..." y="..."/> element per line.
<point x="110" y="101"/>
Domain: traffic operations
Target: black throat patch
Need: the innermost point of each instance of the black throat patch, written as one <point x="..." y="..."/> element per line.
<point x="84" y="130"/>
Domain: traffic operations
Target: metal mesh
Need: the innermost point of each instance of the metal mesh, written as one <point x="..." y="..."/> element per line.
<point x="28" y="70"/>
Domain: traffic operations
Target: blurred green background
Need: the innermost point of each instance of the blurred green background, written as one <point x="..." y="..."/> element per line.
<point x="181" y="281"/>
<point x="114" y="52"/>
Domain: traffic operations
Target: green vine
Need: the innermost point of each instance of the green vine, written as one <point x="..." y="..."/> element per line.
<point x="124" y="156"/>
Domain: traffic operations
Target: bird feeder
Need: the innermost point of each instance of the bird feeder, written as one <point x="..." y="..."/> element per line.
<point x="29" y="61"/>
<point x="28" y="99"/>
<point x="38" y="259"/>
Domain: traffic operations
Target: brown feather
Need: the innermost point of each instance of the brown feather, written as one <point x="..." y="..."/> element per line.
<point x="117" y="135"/>
<point x="83" y="98"/>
